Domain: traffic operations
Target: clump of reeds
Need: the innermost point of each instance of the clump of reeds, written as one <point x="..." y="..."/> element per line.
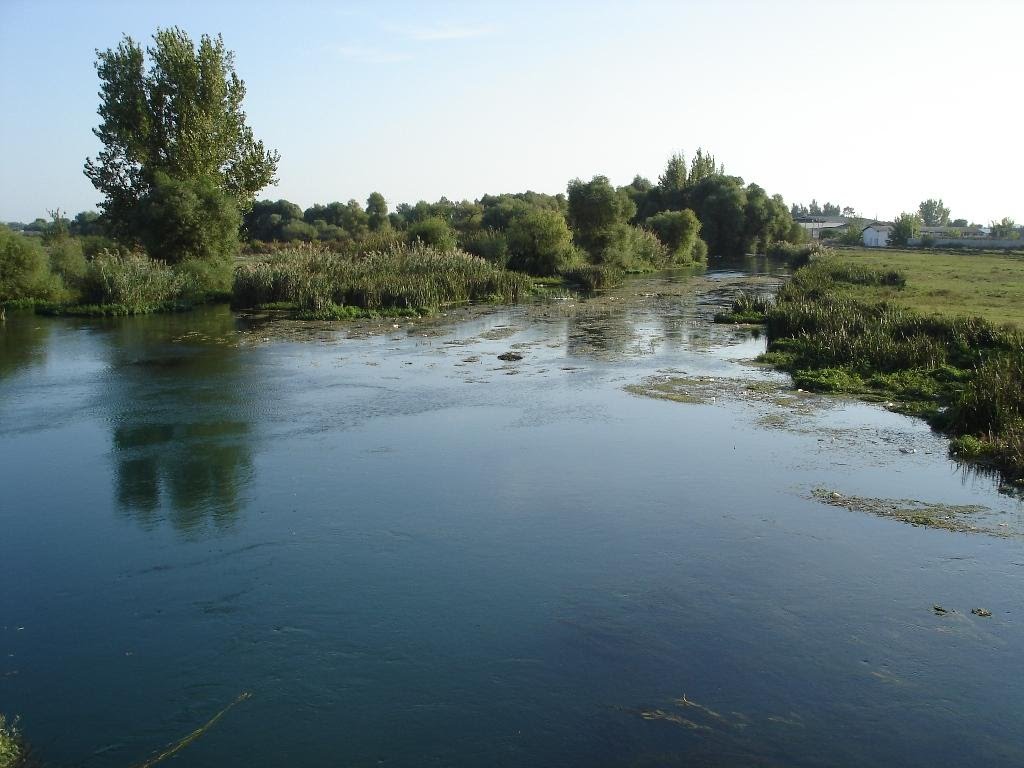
<point x="591" y="277"/>
<point x="132" y="282"/>
<point x="747" y="308"/>
<point x="415" y="276"/>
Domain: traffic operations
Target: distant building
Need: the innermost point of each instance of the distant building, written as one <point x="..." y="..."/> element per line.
<point x="815" y="224"/>
<point x="876" y="235"/>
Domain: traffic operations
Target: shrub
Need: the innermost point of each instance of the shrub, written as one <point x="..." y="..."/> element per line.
<point x="180" y="220"/>
<point x="539" y="242"/>
<point x="24" y="269"/>
<point x="434" y="231"/>
<point x="680" y="232"/>
<point x="488" y="244"/>
<point x="67" y="259"/>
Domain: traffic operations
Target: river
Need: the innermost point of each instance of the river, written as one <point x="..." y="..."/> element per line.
<point x="411" y="552"/>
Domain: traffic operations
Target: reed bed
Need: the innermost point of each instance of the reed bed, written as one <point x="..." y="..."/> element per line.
<point x="592" y="277"/>
<point x="403" y="277"/>
<point x="965" y="374"/>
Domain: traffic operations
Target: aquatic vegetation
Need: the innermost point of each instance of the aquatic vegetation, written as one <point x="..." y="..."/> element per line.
<point x="960" y="518"/>
<point x="181" y="743"/>
<point x="747" y="308"/>
<point x="409" y="277"/>
<point x="12" y="748"/>
<point x="592" y="277"/>
<point x="964" y="374"/>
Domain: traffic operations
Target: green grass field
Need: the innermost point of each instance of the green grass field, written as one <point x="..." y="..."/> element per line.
<point x="987" y="285"/>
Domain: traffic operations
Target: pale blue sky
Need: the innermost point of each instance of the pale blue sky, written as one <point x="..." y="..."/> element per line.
<point x="877" y="105"/>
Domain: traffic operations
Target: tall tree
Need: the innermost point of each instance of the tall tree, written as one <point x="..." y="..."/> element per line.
<point x="598" y="213"/>
<point x="377" y="210"/>
<point x="933" y="213"/>
<point x="181" y="120"/>
<point x="675" y="175"/>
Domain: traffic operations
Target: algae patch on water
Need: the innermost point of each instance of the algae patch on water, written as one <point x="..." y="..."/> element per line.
<point x="679" y="389"/>
<point x="964" y="518"/>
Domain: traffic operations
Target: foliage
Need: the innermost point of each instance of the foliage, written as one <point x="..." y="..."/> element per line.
<point x="592" y="277"/>
<point x="376" y="211"/>
<point x="635" y="250"/>
<point x="933" y="213"/>
<point x="267" y="219"/>
<point x="416" y="277"/>
<point x="24" y="269"/>
<point x="906" y="226"/>
<point x="747" y="308"/>
<point x="963" y="373"/>
<point x="132" y="281"/>
<point x="1005" y="229"/>
<point x="487" y="243"/>
<point x="182" y="118"/>
<point x="434" y="232"/>
<point x="598" y="213"/>
<point x="679" y="231"/>
<point x="67" y="260"/>
<point x="187" y="219"/>
<point x="12" y="748"/>
<point x="539" y="243"/>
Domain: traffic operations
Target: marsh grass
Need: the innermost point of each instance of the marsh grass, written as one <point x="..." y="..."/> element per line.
<point x="592" y="277"/>
<point x="747" y="308"/>
<point x="415" y="278"/>
<point x="965" y="374"/>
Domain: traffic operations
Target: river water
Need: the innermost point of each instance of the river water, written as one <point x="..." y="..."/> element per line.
<point x="411" y="553"/>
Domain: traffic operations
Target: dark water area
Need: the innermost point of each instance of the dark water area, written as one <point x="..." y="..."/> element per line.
<point x="413" y="553"/>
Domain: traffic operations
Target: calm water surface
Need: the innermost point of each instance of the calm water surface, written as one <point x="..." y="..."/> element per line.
<point x="412" y="553"/>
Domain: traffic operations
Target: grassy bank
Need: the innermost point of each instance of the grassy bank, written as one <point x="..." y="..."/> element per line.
<point x="836" y="327"/>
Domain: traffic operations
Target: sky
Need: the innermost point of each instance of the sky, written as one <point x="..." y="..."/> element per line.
<point x="875" y="105"/>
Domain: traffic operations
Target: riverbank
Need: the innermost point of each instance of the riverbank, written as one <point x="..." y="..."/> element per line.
<point x="845" y="324"/>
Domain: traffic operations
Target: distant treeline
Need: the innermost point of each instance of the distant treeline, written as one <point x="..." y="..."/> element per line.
<point x="692" y="210"/>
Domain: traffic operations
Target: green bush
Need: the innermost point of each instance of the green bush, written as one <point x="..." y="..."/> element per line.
<point x="67" y="259"/>
<point x="25" y="269"/>
<point x="488" y="244"/>
<point x="680" y="232"/>
<point x="539" y="242"/>
<point x="179" y="220"/>
<point x="435" y="232"/>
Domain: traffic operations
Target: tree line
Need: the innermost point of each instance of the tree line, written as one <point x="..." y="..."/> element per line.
<point x="179" y="172"/>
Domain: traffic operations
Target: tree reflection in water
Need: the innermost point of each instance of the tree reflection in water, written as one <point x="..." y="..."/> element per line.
<point x="179" y="400"/>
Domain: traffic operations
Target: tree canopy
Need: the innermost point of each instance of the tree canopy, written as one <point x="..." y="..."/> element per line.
<point x="181" y="119"/>
<point x="933" y="213"/>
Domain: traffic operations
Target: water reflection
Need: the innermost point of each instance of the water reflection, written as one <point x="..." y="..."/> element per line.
<point x="24" y="339"/>
<point x="179" y="400"/>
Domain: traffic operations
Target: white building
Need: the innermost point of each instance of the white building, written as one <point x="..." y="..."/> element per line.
<point x="876" y="235"/>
